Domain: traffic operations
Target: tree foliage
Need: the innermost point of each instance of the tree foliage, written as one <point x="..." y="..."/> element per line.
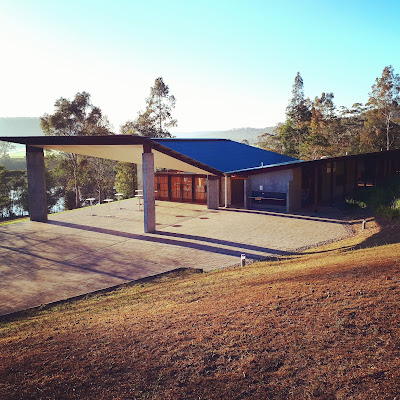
<point x="13" y="193"/>
<point x="99" y="178"/>
<point x="5" y="148"/>
<point x="154" y="121"/>
<point x="126" y="178"/>
<point x="317" y="128"/>
<point x="384" y="102"/>
<point x="298" y="110"/>
<point x="77" y="117"/>
<point x="157" y="117"/>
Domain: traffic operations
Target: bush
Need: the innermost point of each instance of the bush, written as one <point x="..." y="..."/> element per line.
<point x="384" y="199"/>
<point x="388" y="212"/>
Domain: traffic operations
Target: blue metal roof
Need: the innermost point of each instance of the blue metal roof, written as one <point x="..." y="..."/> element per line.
<point x="223" y="154"/>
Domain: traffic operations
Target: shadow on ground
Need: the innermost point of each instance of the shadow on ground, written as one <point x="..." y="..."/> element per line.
<point x="188" y="241"/>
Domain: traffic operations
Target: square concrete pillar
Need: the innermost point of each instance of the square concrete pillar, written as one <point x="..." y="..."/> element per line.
<point x="212" y="192"/>
<point x="245" y="194"/>
<point x="149" y="201"/>
<point x="36" y="184"/>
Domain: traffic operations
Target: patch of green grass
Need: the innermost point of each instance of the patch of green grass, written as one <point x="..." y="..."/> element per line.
<point x="388" y="212"/>
<point x="13" y="221"/>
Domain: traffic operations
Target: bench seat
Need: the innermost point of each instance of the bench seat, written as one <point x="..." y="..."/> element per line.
<point x="267" y="199"/>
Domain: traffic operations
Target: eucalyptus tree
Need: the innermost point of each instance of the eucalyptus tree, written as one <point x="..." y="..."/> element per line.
<point x="126" y="178"/>
<point x="13" y="192"/>
<point x="323" y="133"/>
<point x="384" y="103"/>
<point x="156" y="119"/>
<point x="298" y="111"/>
<point x="77" y="117"/>
<point x="294" y="131"/>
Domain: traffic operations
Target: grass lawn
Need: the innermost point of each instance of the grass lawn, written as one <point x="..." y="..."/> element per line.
<point x="321" y="325"/>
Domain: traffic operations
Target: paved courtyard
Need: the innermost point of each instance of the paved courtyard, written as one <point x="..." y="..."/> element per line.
<point x="76" y="252"/>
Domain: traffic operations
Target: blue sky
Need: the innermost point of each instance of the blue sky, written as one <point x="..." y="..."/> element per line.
<point x="230" y="64"/>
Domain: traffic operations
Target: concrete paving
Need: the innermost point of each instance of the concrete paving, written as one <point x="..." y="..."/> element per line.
<point x="76" y="252"/>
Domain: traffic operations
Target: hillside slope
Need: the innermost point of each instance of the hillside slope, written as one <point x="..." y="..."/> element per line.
<point x="321" y="325"/>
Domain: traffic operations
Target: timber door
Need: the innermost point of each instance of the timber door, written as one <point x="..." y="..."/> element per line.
<point x="187" y="195"/>
<point x="237" y="192"/>
<point x="200" y="195"/>
<point x="183" y="188"/>
<point x="161" y="182"/>
<point x="176" y="188"/>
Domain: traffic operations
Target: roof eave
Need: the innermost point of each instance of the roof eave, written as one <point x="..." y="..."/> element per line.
<point x="110" y="140"/>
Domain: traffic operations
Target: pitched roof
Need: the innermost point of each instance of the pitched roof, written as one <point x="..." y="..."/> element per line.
<point x="223" y="154"/>
<point x="215" y="156"/>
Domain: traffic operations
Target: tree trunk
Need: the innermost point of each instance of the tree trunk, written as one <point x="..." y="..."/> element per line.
<point x="76" y="183"/>
<point x="77" y="199"/>
<point x="100" y="194"/>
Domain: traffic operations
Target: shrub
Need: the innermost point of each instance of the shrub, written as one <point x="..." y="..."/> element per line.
<point x="388" y="212"/>
<point x="384" y="199"/>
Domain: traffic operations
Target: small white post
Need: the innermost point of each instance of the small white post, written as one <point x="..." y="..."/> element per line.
<point x="364" y="222"/>
<point x="242" y="260"/>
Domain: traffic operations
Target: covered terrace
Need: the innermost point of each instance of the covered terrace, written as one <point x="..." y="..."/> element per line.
<point x="147" y="152"/>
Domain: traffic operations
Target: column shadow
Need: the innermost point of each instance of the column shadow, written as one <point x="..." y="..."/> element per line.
<point x="169" y="239"/>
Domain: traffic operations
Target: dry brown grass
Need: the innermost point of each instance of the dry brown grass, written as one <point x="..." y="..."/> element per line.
<point x="323" y="325"/>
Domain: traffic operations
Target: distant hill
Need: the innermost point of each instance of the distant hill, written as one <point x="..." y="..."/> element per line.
<point x="20" y="126"/>
<point x="26" y="126"/>
<point x="239" y="134"/>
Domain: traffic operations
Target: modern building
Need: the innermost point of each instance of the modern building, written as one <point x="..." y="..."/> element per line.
<point x="227" y="157"/>
<point x="217" y="172"/>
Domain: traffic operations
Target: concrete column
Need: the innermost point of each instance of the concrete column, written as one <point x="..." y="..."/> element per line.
<point x="36" y="184"/>
<point x="212" y="192"/>
<point x="245" y="193"/>
<point x="149" y="201"/>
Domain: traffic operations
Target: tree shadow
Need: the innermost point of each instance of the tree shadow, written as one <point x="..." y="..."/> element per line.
<point x="389" y="233"/>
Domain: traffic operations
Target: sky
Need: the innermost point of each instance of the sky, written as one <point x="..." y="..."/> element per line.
<point x="230" y="64"/>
